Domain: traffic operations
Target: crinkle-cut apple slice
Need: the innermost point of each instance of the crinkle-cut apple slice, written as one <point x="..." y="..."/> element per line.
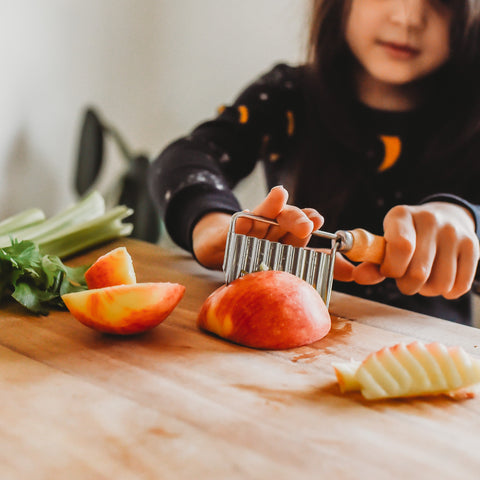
<point x="113" y="268"/>
<point x="268" y="310"/>
<point x="125" y="309"/>
<point x="415" y="369"/>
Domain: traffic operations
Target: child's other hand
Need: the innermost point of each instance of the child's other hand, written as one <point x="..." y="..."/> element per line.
<point x="431" y="249"/>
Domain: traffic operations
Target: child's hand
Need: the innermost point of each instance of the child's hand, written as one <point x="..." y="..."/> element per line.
<point x="431" y="249"/>
<point x="295" y="224"/>
<point x="295" y="227"/>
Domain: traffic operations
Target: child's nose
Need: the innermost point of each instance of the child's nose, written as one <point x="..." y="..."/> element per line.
<point x="409" y="13"/>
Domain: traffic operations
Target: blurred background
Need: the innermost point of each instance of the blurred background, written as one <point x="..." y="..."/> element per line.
<point x="153" y="69"/>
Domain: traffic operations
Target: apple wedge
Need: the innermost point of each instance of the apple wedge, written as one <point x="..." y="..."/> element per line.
<point x="113" y="268"/>
<point x="266" y="310"/>
<point x="415" y="369"/>
<point x="125" y="309"/>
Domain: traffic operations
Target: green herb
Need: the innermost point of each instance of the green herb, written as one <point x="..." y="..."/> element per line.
<point x="35" y="280"/>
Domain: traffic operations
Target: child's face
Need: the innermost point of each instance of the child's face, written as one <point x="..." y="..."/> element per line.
<point x="399" y="41"/>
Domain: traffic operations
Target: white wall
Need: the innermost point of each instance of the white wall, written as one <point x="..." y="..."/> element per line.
<point x="154" y="68"/>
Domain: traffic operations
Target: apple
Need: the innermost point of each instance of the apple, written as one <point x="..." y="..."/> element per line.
<point x="411" y="370"/>
<point x="266" y="310"/>
<point x="125" y="309"/>
<point x="113" y="268"/>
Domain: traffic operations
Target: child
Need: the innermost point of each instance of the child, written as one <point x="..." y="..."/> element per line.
<point x="380" y="129"/>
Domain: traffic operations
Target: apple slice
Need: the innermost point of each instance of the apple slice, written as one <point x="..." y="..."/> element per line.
<point x="409" y="370"/>
<point x="113" y="268"/>
<point x="125" y="309"/>
<point x="267" y="310"/>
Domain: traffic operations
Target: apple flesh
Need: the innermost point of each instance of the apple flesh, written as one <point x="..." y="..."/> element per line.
<point x="415" y="369"/>
<point x="125" y="309"/>
<point x="266" y="310"/>
<point x="113" y="268"/>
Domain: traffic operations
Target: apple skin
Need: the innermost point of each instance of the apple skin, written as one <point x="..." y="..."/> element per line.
<point x="125" y="309"/>
<point x="113" y="268"/>
<point x="266" y="310"/>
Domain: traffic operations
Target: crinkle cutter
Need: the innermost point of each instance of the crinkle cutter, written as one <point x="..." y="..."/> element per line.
<point x="247" y="254"/>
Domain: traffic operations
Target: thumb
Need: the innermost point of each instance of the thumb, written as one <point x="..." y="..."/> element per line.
<point x="343" y="269"/>
<point x="270" y="207"/>
<point x="367" y="274"/>
<point x="273" y="203"/>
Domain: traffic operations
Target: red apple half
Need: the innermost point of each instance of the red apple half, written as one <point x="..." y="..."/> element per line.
<point x="113" y="268"/>
<point x="267" y="310"/>
<point x="125" y="309"/>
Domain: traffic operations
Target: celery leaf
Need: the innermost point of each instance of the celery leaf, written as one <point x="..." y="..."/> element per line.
<point x="35" y="280"/>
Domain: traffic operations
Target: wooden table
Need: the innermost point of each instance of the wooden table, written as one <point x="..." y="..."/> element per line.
<point x="177" y="403"/>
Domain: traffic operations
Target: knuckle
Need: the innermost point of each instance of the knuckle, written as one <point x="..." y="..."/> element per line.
<point x="456" y="292"/>
<point x="403" y="245"/>
<point x="405" y="287"/>
<point x="470" y="247"/>
<point x="449" y="232"/>
<point x="430" y="290"/>
<point x="310" y="212"/>
<point x="418" y="274"/>
<point x="426" y="218"/>
<point x="399" y="210"/>
<point x="433" y="288"/>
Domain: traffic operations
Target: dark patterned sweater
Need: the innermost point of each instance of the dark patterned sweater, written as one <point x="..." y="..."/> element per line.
<point x="195" y="174"/>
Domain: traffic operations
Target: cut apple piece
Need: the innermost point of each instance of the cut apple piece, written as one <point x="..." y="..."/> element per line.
<point x="125" y="309"/>
<point x="267" y="310"/>
<point x="415" y="369"/>
<point x="113" y="268"/>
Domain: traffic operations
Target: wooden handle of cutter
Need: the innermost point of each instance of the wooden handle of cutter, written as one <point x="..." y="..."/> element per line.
<point x="367" y="247"/>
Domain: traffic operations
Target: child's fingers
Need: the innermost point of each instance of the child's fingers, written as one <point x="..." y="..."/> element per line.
<point x="367" y="274"/>
<point x="442" y="275"/>
<point x="273" y="204"/>
<point x="294" y="224"/>
<point x="295" y="221"/>
<point x="343" y="270"/>
<point x="453" y="271"/>
<point x="314" y="216"/>
<point x="400" y="236"/>
<point x="270" y="207"/>
<point x="432" y="249"/>
<point x="243" y="226"/>
<point x="466" y="269"/>
<point x="297" y="225"/>
<point x="421" y="264"/>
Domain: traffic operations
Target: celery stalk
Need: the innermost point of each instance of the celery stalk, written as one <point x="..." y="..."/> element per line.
<point x="75" y="238"/>
<point x="89" y="207"/>
<point x="78" y="227"/>
<point x="26" y="218"/>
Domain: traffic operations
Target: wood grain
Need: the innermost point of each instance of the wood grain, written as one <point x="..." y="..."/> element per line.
<point x="177" y="403"/>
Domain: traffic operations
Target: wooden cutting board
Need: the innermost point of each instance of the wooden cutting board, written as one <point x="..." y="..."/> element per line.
<point x="177" y="403"/>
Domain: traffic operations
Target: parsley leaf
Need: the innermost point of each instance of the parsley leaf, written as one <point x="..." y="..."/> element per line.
<point x="35" y="280"/>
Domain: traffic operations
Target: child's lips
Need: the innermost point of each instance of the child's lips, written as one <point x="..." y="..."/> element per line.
<point x="400" y="50"/>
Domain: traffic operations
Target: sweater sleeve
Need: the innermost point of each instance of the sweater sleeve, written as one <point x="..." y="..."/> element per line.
<point x="195" y="174"/>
